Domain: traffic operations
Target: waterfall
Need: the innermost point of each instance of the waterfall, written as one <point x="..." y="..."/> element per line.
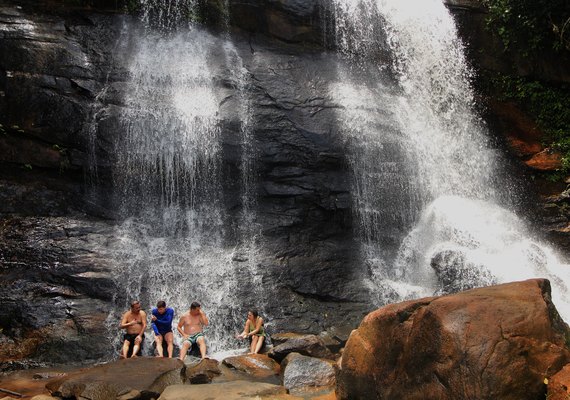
<point x="178" y="241"/>
<point x="434" y="214"/>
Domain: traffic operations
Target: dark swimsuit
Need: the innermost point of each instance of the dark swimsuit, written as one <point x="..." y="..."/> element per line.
<point x="131" y="337"/>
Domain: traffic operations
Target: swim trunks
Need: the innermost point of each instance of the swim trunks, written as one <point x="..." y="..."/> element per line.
<point x="194" y="338"/>
<point x="131" y="338"/>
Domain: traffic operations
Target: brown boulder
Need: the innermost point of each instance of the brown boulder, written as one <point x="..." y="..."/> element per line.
<point x="258" y="365"/>
<point x="496" y="342"/>
<point x="203" y="372"/>
<point x="559" y="385"/>
<point x="546" y="160"/>
<point x="117" y="378"/>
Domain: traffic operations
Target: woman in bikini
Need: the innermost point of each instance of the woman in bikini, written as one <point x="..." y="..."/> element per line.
<point x="254" y="331"/>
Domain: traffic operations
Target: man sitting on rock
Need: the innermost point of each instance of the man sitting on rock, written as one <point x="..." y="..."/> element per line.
<point x="162" y="317"/>
<point x="190" y="327"/>
<point x="134" y="321"/>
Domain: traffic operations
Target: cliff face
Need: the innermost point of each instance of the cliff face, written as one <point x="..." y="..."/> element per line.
<point x="62" y="84"/>
<point x="59" y="208"/>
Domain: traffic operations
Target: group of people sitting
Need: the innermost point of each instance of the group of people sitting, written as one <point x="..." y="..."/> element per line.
<point x="190" y="326"/>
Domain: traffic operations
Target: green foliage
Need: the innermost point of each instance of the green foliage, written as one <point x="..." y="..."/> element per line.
<point x="548" y="105"/>
<point x="531" y="25"/>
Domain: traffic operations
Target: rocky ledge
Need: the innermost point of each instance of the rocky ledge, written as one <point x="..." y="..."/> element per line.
<point x="500" y="342"/>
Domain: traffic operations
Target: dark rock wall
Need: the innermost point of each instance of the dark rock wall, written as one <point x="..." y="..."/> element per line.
<point x="62" y="77"/>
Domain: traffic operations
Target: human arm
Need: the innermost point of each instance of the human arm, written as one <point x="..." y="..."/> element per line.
<point x="243" y="335"/>
<point x="180" y="328"/>
<point x="204" y="319"/>
<point x="143" y="323"/>
<point x="153" y="322"/>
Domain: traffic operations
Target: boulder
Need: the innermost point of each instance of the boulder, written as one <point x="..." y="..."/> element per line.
<point x="559" y="385"/>
<point x="282" y="337"/>
<point x="301" y="372"/>
<point x="258" y="365"/>
<point x="455" y="273"/>
<point x="233" y="390"/>
<point x="546" y="160"/>
<point x="309" y="345"/>
<point x="489" y="343"/>
<point x="203" y="372"/>
<point x="117" y="379"/>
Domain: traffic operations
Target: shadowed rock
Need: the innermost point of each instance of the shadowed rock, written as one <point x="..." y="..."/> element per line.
<point x="489" y="343"/>
<point x="309" y="345"/>
<point x="203" y="372"/>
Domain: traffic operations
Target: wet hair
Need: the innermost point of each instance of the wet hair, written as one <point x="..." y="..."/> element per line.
<point x="134" y="303"/>
<point x="194" y="305"/>
<point x="161" y="304"/>
<point x="254" y="313"/>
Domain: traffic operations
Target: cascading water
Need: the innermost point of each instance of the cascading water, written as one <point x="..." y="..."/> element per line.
<point x="177" y="242"/>
<point x="439" y="183"/>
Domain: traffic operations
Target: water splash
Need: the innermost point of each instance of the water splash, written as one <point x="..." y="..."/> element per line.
<point x="177" y="242"/>
<point x="465" y="236"/>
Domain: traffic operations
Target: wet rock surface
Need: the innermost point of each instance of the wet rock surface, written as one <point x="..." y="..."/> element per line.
<point x="63" y="76"/>
<point x="300" y="372"/>
<point x="221" y="391"/>
<point x="493" y="342"/>
<point x="202" y="372"/>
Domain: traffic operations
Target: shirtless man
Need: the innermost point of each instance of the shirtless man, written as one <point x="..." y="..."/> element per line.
<point x="190" y="327"/>
<point x="134" y="321"/>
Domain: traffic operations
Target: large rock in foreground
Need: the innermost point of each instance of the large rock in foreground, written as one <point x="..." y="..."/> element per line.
<point x="498" y="342"/>
<point x="148" y="376"/>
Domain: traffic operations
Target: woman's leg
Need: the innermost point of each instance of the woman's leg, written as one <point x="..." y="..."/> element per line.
<point x="259" y="344"/>
<point x="254" y="339"/>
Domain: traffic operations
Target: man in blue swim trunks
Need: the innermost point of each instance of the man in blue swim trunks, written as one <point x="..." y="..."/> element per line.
<point x="190" y="327"/>
<point x="162" y="317"/>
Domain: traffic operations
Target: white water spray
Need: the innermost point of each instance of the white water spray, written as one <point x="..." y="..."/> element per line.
<point x="174" y="242"/>
<point x="464" y="228"/>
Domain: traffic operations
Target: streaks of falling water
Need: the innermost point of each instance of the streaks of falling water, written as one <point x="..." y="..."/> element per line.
<point x="445" y="192"/>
